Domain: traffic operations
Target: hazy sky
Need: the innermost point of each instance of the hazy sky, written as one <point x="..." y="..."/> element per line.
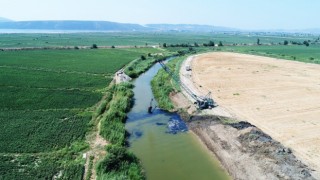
<point x="245" y="14"/>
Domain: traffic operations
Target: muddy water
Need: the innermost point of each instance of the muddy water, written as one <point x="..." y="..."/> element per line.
<point x="164" y="155"/>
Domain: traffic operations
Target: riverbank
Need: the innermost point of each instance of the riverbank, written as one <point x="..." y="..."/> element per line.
<point x="243" y="150"/>
<point x="112" y="159"/>
<point x="162" y="149"/>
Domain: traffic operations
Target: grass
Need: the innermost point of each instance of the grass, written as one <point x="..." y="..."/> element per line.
<point x="119" y="163"/>
<point x="90" y="166"/>
<point x="139" y="66"/>
<point x="112" y="123"/>
<point x="162" y="84"/>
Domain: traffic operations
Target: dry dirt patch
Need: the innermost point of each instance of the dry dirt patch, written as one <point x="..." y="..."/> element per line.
<point x="278" y="96"/>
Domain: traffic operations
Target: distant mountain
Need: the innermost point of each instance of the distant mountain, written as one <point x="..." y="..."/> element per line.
<point x="126" y="27"/>
<point x="106" y="26"/>
<point x="73" y="25"/>
<point x="312" y="31"/>
<point x="4" y="19"/>
<point x="189" y="28"/>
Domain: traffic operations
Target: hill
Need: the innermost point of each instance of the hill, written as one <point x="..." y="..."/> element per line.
<point x="4" y="19"/>
<point x="73" y="25"/>
<point x="106" y="26"/>
<point x="189" y="28"/>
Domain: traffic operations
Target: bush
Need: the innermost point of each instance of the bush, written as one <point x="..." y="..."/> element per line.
<point x="211" y="43"/>
<point x="94" y="46"/>
<point x="143" y="57"/>
<point x="120" y="164"/>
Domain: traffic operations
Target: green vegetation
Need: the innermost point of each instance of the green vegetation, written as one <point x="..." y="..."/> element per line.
<point x="66" y="163"/>
<point x="90" y="166"/>
<point x="309" y="54"/>
<point x="139" y="66"/>
<point x="112" y="123"/>
<point x="141" y="39"/>
<point x="48" y="97"/>
<point x="119" y="164"/>
<point x="29" y="131"/>
<point x="94" y="46"/>
<point x="90" y="62"/>
<point x="162" y="84"/>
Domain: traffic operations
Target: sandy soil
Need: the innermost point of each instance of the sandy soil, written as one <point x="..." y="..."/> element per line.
<point x="120" y="77"/>
<point x="278" y="96"/>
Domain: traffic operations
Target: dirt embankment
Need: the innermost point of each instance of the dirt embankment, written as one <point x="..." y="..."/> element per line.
<point x="244" y="150"/>
<point x="247" y="152"/>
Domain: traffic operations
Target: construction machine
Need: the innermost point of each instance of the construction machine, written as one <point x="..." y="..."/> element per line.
<point x="202" y="102"/>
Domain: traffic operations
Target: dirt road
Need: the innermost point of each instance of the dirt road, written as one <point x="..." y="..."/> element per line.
<point x="280" y="97"/>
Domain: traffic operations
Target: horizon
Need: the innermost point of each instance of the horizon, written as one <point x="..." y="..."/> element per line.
<point x="246" y="15"/>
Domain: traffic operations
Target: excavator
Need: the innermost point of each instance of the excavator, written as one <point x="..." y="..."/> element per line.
<point x="202" y="102"/>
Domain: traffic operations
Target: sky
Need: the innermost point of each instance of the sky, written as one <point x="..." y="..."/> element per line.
<point x="243" y="14"/>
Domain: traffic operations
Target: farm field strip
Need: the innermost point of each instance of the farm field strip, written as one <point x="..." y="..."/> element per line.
<point x="138" y="39"/>
<point x="62" y="71"/>
<point x="301" y="53"/>
<point x="48" y="98"/>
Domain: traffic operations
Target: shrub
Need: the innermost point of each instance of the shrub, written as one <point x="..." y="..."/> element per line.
<point x="94" y="46"/>
<point x="120" y="164"/>
<point x="143" y="57"/>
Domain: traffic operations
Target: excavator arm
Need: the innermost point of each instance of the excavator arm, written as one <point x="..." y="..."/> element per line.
<point x="202" y="102"/>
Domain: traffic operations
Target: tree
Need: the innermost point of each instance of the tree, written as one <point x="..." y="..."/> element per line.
<point x="196" y="44"/>
<point x="258" y="41"/>
<point x="113" y="47"/>
<point x="285" y="42"/>
<point x="220" y="43"/>
<point x="94" y="46"/>
<point x="143" y="57"/>
<point x="149" y="55"/>
<point x="211" y="43"/>
<point x="306" y="43"/>
<point x="164" y="45"/>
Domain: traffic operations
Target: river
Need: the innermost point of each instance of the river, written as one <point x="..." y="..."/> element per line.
<point x="165" y="155"/>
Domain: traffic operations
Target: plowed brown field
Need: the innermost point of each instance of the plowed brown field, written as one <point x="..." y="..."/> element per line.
<point x="280" y="97"/>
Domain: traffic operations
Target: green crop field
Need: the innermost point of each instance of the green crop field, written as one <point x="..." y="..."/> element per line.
<point x="141" y="39"/>
<point x="46" y="107"/>
<point x="310" y="54"/>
